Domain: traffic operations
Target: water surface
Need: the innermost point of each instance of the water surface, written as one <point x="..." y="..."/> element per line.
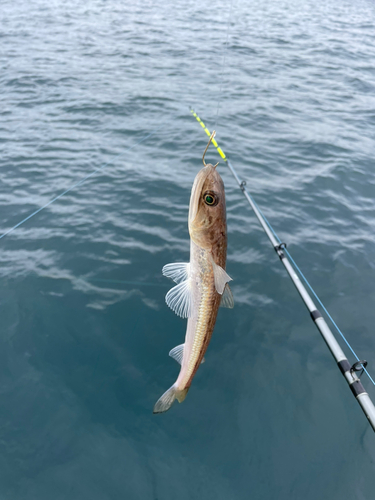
<point x="85" y="330"/>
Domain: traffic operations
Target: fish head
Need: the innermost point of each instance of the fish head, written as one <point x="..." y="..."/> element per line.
<point x="207" y="214"/>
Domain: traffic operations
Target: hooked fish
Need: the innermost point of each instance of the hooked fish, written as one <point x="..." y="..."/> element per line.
<point x="202" y="284"/>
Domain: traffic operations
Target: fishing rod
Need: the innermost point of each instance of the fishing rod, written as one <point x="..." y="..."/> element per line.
<point x="349" y="371"/>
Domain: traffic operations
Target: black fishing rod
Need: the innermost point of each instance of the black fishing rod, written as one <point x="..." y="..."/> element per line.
<point x="349" y="371"/>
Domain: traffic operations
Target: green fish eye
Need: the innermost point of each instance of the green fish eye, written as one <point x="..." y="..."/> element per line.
<point x="210" y="199"/>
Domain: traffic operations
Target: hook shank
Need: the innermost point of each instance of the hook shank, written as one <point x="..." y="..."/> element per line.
<point x="205" y="151"/>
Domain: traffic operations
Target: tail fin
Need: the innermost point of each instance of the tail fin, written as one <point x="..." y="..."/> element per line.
<point x="165" y="402"/>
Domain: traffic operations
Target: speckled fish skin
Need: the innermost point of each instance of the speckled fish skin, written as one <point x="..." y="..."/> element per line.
<point x="208" y="233"/>
<point x="208" y="249"/>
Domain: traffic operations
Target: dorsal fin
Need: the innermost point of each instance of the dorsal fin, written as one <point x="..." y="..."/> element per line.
<point x="227" y="298"/>
<point x="220" y="276"/>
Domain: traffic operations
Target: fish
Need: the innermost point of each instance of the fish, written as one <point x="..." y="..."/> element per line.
<point x="202" y="284"/>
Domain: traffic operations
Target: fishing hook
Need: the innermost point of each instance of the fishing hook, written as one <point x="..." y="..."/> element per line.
<point x="205" y="151"/>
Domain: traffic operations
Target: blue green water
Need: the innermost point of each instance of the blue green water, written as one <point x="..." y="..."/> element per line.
<point x="85" y="331"/>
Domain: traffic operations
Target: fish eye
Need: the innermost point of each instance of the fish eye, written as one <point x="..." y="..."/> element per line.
<point x="210" y="198"/>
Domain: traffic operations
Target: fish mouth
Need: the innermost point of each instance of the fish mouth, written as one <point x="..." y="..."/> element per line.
<point x="196" y="190"/>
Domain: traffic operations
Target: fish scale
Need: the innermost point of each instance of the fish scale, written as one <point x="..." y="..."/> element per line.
<point x="201" y="330"/>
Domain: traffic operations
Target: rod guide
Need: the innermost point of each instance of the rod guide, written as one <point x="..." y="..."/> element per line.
<point x="359" y="366"/>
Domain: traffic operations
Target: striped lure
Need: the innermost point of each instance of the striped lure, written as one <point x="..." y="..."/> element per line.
<point x="202" y="284"/>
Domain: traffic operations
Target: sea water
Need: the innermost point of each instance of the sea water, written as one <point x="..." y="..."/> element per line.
<point x="85" y="331"/>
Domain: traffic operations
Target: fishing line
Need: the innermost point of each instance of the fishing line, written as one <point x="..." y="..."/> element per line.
<point x="311" y="289"/>
<point x="223" y="65"/>
<point x="222" y="154"/>
<point x="80" y="182"/>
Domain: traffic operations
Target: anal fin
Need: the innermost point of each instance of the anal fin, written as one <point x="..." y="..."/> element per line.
<point x="177" y="353"/>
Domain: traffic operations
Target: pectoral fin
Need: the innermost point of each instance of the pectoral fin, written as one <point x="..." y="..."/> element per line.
<point x="178" y="271"/>
<point x="227" y="298"/>
<point x="220" y="276"/>
<point x="179" y="299"/>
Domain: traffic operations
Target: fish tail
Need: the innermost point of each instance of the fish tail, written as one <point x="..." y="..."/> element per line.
<point x="166" y="400"/>
<point x="181" y="395"/>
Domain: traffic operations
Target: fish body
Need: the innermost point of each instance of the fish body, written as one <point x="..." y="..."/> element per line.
<point x="202" y="283"/>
